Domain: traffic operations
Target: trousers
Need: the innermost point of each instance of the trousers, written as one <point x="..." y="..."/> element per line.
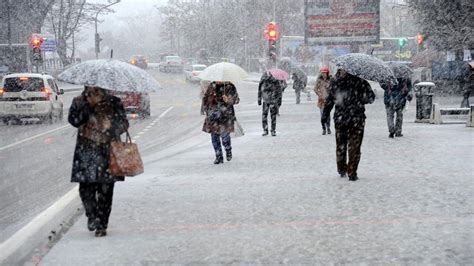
<point x="394" y="127"/>
<point x="217" y="144"/>
<point x="348" y="142"/>
<point x="97" y="201"/>
<point x="326" y="124"/>
<point x="273" y="108"/>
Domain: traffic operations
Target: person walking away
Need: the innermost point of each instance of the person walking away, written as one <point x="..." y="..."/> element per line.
<point x="467" y="85"/>
<point x="270" y="91"/>
<point x="349" y="94"/>
<point x="100" y="118"/>
<point x="321" y="89"/>
<point x="299" y="83"/>
<point x="395" y="98"/>
<point x="218" y="106"/>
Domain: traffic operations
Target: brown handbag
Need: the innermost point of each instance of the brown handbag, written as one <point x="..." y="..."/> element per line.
<point x="124" y="158"/>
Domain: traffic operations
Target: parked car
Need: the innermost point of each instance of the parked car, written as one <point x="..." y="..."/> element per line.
<point x="135" y="102"/>
<point x="140" y="61"/>
<point x="30" y="95"/>
<point x="171" y="63"/>
<point x="192" y="72"/>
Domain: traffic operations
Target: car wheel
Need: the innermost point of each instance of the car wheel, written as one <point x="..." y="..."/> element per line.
<point x="60" y="116"/>
<point x="48" y="119"/>
<point x="5" y="121"/>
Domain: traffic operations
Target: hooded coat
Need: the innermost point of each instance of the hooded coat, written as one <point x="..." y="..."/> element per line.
<point x="213" y="102"/>
<point x="97" y="127"/>
<point x="348" y="94"/>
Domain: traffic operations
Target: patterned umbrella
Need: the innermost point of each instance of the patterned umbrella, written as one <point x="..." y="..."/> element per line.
<point x="366" y="67"/>
<point x="110" y="74"/>
<point x="400" y="70"/>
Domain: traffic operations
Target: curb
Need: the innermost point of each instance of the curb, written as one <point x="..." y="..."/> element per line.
<point x="42" y="232"/>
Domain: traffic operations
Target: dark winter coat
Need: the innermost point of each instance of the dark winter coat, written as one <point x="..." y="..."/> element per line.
<point x="220" y="116"/>
<point x="349" y="94"/>
<point x="299" y="83"/>
<point x="270" y="90"/>
<point x="91" y="155"/>
<point x="397" y="95"/>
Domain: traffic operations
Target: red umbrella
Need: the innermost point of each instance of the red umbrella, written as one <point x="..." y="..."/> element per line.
<point x="278" y="74"/>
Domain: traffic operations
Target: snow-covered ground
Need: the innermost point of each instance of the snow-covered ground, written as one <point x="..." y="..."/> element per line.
<point x="280" y="199"/>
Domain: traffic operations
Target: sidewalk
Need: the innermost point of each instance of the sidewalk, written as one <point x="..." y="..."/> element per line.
<point x="280" y="200"/>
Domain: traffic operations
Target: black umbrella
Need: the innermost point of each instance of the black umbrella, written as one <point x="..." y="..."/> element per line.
<point x="366" y="67"/>
<point x="400" y="70"/>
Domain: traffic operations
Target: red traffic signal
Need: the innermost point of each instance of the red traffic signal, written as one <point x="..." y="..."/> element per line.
<point x="419" y="38"/>
<point x="271" y="33"/>
<point x="36" y="41"/>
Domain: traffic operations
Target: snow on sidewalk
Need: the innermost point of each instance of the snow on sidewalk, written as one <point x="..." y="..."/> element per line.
<point x="280" y="200"/>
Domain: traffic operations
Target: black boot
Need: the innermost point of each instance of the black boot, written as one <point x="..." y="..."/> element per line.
<point x="265" y="133"/>
<point x="91" y="224"/>
<point x="398" y="135"/>
<point x="100" y="232"/>
<point x="329" y="131"/>
<point x="228" y="155"/>
<point x="353" y="178"/>
<point x="274" y="133"/>
<point x="219" y="159"/>
<point x="324" y="131"/>
<point x="391" y="135"/>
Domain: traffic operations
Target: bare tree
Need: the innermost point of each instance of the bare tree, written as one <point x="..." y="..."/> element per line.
<point x="448" y="24"/>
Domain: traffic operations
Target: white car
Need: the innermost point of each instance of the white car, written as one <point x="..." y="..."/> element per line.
<point x="171" y="63"/>
<point x="192" y="72"/>
<point x="30" y="95"/>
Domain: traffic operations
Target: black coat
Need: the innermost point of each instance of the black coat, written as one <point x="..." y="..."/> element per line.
<point x="349" y="95"/>
<point x="213" y="102"/>
<point x="270" y="90"/>
<point x="91" y="155"/>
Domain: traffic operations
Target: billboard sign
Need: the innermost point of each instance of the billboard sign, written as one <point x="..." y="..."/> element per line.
<point x="342" y="21"/>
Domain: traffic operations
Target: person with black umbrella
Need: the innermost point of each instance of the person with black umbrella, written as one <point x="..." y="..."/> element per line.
<point x="395" y="98"/>
<point x="348" y="94"/>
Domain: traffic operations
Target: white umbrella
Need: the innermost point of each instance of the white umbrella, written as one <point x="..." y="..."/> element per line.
<point x="223" y="72"/>
<point x="110" y="74"/>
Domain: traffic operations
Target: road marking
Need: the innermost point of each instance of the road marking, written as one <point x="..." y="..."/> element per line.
<point x="137" y="136"/>
<point x="33" y="137"/>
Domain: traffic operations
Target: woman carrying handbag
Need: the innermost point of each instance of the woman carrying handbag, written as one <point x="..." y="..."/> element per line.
<point x="100" y="119"/>
<point x="218" y="106"/>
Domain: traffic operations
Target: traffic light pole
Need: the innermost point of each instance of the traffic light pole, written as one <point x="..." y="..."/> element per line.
<point x="96" y="36"/>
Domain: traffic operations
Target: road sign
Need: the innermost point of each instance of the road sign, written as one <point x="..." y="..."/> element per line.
<point x="49" y="45"/>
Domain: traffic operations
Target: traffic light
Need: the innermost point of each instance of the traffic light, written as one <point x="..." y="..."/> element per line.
<point x="36" y="41"/>
<point x="271" y="33"/>
<point x="97" y="43"/>
<point x="402" y="42"/>
<point x="272" y="49"/>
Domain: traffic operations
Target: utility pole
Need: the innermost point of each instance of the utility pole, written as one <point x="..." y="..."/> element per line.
<point x="96" y="36"/>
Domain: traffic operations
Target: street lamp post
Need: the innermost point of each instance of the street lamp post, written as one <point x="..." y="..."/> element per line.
<point x="96" y="37"/>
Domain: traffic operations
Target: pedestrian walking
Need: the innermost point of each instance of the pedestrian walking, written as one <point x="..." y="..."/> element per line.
<point x="299" y="83"/>
<point x="348" y="94"/>
<point x="218" y="106"/>
<point x="100" y="119"/>
<point x="270" y="92"/>
<point x="395" y="98"/>
<point x="321" y="89"/>
<point x="467" y="85"/>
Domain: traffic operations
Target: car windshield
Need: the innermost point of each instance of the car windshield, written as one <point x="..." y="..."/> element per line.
<point x="199" y="68"/>
<point x="23" y="83"/>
